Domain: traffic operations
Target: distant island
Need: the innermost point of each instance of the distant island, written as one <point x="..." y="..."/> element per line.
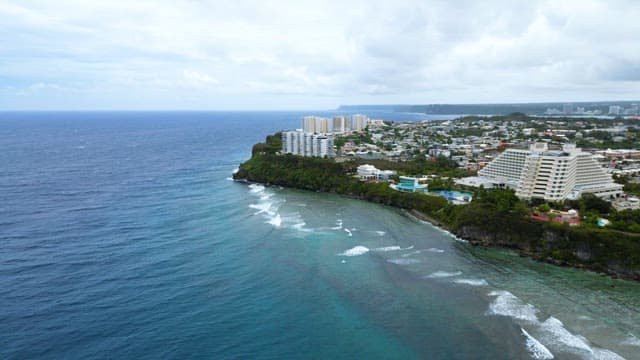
<point x="594" y="108"/>
<point x="420" y="165"/>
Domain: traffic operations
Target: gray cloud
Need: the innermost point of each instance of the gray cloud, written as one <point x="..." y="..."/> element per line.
<point x="288" y="54"/>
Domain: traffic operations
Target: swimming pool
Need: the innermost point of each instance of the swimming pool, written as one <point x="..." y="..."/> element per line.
<point x="453" y="195"/>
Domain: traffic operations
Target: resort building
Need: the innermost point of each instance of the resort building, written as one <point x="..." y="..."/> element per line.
<point x="551" y="175"/>
<point x="303" y="143"/>
<point x="409" y="184"/>
<point x="369" y="172"/>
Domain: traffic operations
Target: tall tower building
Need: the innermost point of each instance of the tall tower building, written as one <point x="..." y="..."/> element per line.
<point x="340" y="124"/>
<point x="309" y="124"/>
<point x="359" y="122"/>
<point x="323" y="125"/>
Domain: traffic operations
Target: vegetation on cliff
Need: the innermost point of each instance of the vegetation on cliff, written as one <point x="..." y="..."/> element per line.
<point x="493" y="218"/>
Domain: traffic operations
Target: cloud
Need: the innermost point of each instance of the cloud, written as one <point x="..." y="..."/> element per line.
<point x="290" y="54"/>
<point x="198" y="79"/>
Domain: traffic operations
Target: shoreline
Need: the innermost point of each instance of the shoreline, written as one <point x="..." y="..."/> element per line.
<point x="420" y="216"/>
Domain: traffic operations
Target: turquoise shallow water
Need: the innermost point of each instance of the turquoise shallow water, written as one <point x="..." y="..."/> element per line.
<point x="124" y="237"/>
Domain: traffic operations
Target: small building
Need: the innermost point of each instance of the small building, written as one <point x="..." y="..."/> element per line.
<point x="409" y="184"/>
<point x="570" y="217"/>
<point x="368" y="172"/>
<point x="487" y="183"/>
<point x="628" y="203"/>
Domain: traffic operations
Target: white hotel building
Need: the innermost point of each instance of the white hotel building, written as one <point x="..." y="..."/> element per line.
<point x="303" y="143"/>
<point x="339" y="124"/>
<point x="551" y="175"/>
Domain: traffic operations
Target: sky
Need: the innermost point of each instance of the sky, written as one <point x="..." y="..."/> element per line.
<point x="285" y="55"/>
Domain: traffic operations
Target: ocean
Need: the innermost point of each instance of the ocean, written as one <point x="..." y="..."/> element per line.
<point x="123" y="236"/>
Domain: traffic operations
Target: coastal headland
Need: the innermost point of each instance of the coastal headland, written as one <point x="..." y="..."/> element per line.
<point x="495" y="218"/>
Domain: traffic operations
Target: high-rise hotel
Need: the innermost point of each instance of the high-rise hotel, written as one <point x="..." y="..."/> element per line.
<point x="551" y="175"/>
<point x="303" y="143"/>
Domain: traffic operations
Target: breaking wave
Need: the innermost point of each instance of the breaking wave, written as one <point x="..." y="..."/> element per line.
<point x="443" y="274"/>
<point x="412" y="253"/>
<point x="403" y="261"/>
<point x="556" y="332"/>
<point x="507" y="304"/>
<point x="553" y="334"/>
<point x="256" y="188"/>
<point x="269" y="209"/>
<point x="535" y="347"/>
<point x="631" y="340"/>
<point x="471" y="282"/>
<point x="388" y="248"/>
<point x="392" y="248"/>
<point x="275" y="221"/>
<point x="355" y="251"/>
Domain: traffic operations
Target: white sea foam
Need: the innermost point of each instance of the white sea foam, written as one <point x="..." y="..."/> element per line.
<point x="558" y="334"/>
<point x="471" y="282"/>
<point x="236" y="170"/>
<point x="604" y="354"/>
<point x="295" y="221"/>
<point x="348" y="232"/>
<point x="507" y="304"/>
<point x="381" y="233"/>
<point x="392" y="248"/>
<point x="275" y="221"/>
<point x="229" y="178"/>
<point x="256" y="188"/>
<point x="444" y="274"/>
<point x="403" y="261"/>
<point x="553" y="333"/>
<point x="338" y="225"/>
<point x="266" y="196"/>
<point x="631" y="340"/>
<point x="261" y="207"/>
<point x="537" y="350"/>
<point x="355" y="251"/>
<point x="435" y="250"/>
<point x="300" y="227"/>
<point x="555" y="328"/>
<point x="388" y="248"/>
<point x="412" y="253"/>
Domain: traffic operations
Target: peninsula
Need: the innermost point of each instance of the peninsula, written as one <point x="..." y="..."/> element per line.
<point x="512" y="181"/>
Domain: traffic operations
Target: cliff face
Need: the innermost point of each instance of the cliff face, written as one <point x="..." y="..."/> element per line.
<point x="591" y="250"/>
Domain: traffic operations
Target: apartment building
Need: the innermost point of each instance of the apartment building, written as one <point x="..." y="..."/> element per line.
<point x="303" y="143"/>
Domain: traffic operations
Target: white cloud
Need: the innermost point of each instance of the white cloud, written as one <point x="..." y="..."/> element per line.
<point x="198" y="79"/>
<point x="290" y="54"/>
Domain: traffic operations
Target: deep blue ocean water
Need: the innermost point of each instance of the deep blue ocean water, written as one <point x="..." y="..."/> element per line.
<point x="123" y="237"/>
